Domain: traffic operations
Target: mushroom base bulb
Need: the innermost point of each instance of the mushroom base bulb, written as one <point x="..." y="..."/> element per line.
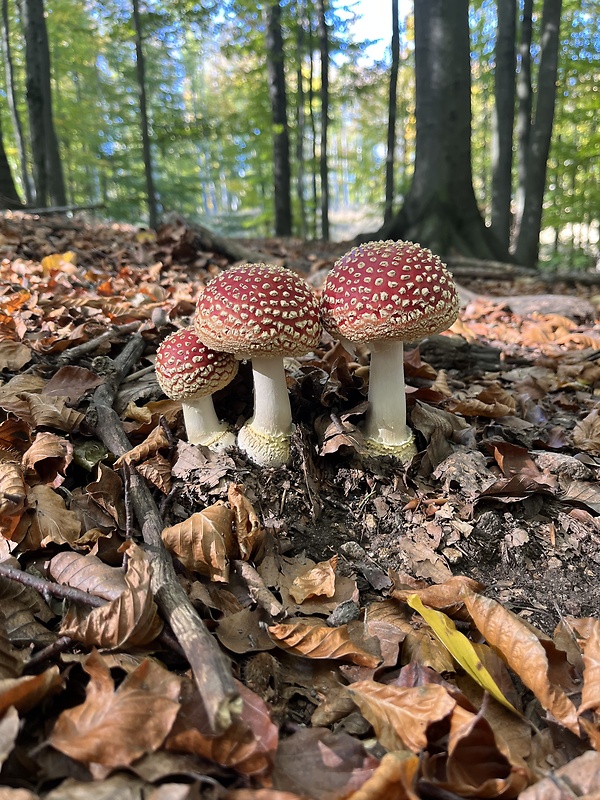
<point x="402" y="451"/>
<point x="217" y="442"/>
<point x="266" y="450"/>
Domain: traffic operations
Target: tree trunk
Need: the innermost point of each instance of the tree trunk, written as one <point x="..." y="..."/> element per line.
<point x="12" y="102"/>
<point x="392" y="111"/>
<point x="313" y="128"/>
<point x="539" y="142"/>
<point x="440" y="210"/>
<point x="300" y="124"/>
<point x="323" y="36"/>
<point x="145" y="131"/>
<point x="524" y="96"/>
<point x="281" y="136"/>
<point x="503" y="120"/>
<point x="8" y="192"/>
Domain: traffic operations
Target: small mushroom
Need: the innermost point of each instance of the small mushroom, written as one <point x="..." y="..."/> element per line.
<point x="263" y="313"/>
<point x="383" y="294"/>
<point x="189" y="371"/>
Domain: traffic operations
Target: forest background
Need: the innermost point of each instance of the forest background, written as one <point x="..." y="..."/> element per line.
<point x="279" y="117"/>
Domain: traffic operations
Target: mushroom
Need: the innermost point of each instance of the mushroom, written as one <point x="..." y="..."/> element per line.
<point x="263" y="313"/>
<point x="383" y="294"/>
<point x="189" y="371"/>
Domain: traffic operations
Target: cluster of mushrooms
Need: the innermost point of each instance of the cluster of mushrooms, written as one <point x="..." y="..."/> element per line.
<point x="380" y="294"/>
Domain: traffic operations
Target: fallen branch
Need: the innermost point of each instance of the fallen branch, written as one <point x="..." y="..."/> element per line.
<point x="259" y="592"/>
<point x="464" y="267"/>
<point x="60" y="209"/>
<point x="210" y="666"/>
<point x="75" y="353"/>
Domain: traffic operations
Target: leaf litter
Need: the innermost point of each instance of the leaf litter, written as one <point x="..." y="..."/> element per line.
<point x="309" y="576"/>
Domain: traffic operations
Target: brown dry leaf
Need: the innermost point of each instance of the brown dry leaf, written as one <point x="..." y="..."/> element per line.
<point x="259" y="794"/>
<point x="474" y="766"/>
<point x="314" y="639"/>
<point x="138" y="413"/>
<point x="244" y="631"/>
<point x="48" y="458"/>
<point x="400" y="715"/>
<point x="89" y="574"/>
<point x="12" y="660"/>
<point x="248" y="745"/>
<point x="444" y="597"/>
<point x="249" y="532"/>
<point x="395" y="777"/>
<point x="316" y="763"/>
<point x="587" y="432"/>
<point x="315" y="581"/>
<point x="579" y="778"/>
<point x="513" y="460"/>
<point x="590" y="695"/>
<point x="46" y="520"/>
<point x="13" y="355"/>
<point x="426" y="649"/>
<point x="9" y="728"/>
<point x="19" y="623"/>
<point x="128" y="621"/>
<point x="72" y="383"/>
<point x="107" y="492"/>
<point x="521" y="649"/>
<point x="115" y="727"/>
<point x="157" y="471"/>
<point x="52" y="412"/>
<point x="288" y="569"/>
<point x="204" y="542"/>
<point x="13" y="493"/>
<point x="155" y="441"/>
<point x="27" y="692"/>
<point x="7" y="793"/>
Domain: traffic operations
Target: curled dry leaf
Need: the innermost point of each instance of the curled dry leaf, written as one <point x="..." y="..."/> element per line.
<point x="587" y="432"/>
<point x="46" y="520"/>
<point x="129" y="620"/>
<point x="401" y="715"/>
<point x="249" y="532"/>
<point x="395" y="777"/>
<point x="521" y="649"/>
<point x="9" y="728"/>
<point x="157" y="440"/>
<point x="157" y="471"/>
<point x="248" y="745"/>
<point x="72" y="382"/>
<point x="204" y="542"/>
<point x="89" y="574"/>
<point x="314" y="639"/>
<point x="315" y="581"/>
<point x="115" y="727"/>
<point x="444" y="596"/>
<point x="51" y="412"/>
<point x="13" y="493"/>
<point x="48" y="458"/>
<point x="27" y="692"/>
<point x="13" y="355"/>
<point x="590" y="695"/>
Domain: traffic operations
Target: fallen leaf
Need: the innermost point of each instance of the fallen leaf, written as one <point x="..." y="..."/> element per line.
<point x="14" y="355"/>
<point x="314" y="639"/>
<point x="46" y="520"/>
<point x="249" y="532"/>
<point x="88" y="574"/>
<point x="28" y="691"/>
<point x="315" y="581"/>
<point x="587" y="432"/>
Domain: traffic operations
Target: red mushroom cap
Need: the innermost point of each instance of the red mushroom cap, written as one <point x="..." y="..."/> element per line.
<point x="388" y="290"/>
<point x="186" y="368"/>
<point x="259" y="310"/>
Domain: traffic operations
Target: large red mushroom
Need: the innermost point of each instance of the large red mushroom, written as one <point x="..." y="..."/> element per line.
<point x="383" y="294"/>
<point x="189" y="371"/>
<point x="263" y="313"/>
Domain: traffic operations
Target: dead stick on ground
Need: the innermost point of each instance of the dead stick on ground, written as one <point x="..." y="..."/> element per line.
<point x="258" y="590"/>
<point x="73" y="353"/>
<point x="210" y="666"/>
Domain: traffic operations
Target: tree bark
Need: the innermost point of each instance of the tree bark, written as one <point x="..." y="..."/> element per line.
<point x="440" y="210"/>
<point x="527" y="249"/>
<point x="281" y="136"/>
<point x="12" y="102"/>
<point x="392" y="112"/>
<point x="8" y="192"/>
<point x="524" y="98"/>
<point x="503" y="120"/>
<point x="323" y="36"/>
<point x="300" y="123"/>
<point x="145" y="131"/>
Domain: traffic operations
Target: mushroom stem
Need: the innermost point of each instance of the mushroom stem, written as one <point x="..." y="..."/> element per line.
<point x="203" y="426"/>
<point x="265" y="437"/>
<point x="385" y="426"/>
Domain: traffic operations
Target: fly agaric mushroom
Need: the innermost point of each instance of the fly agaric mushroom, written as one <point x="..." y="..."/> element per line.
<point x="189" y="371"/>
<point x="263" y="313"/>
<point x="383" y="294"/>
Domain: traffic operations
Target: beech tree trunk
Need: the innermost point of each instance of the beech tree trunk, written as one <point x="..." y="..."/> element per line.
<point x="440" y="210"/>
<point x="527" y="249"/>
<point x="300" y="125"/>
<point x="47" y="166"/>
<point x="8" y="192"/>
<point x="392" y="112"/>
<point x="525" y="103"/>
<point x="503" y="120"/>
<point x="323" y="36"/>
<point x="145" y="131"/>
<point x="281" y="136"/>
<point x="12" y="102"/>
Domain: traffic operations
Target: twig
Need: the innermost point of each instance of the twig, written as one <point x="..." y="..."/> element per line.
<point x="258" y="590"/>
<point x="47" y="587"/>
<point x="73" y="353"/>
<point x="47" y="653"/>
<point x="210" y="666"/>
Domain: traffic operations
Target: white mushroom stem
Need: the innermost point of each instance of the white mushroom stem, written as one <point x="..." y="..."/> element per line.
<point x="202" y="424"/>
<point x="386" y="418"/>
<point x="265" y="438"/>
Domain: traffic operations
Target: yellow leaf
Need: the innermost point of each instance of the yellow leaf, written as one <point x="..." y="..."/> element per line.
<point x="460" y="648"/>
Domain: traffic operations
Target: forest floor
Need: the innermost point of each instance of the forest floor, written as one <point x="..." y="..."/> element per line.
<point x="348" y="691"/>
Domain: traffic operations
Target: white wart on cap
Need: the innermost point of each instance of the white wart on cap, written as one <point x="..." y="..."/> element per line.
<point x="383" y="294"/>
<point x="189" y="371"/>
<point x="261" y="312"/>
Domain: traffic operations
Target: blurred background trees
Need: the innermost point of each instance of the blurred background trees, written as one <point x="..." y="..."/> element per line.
<point x="279" y="118"/>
